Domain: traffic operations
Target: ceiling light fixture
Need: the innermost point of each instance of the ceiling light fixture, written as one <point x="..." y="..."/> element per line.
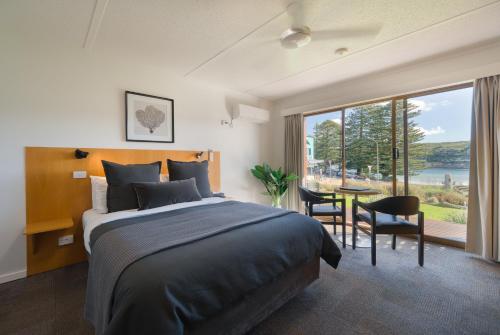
<point x="293" y="38"/>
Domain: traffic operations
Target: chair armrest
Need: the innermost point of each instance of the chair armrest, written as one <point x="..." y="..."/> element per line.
<point x="315" y="199"/>
<point x="323" y="194"/>
<point x="343" y="206"/>
<point x="366" y="207"/>
<point x="328" y="201"/>
<point x="323" y="201"/>
<point x="341" y="200"/>
<point x="363" y="205"/>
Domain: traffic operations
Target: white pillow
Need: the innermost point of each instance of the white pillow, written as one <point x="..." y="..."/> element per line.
<point x="163" y="178"/>
<point x="99" y="192"/>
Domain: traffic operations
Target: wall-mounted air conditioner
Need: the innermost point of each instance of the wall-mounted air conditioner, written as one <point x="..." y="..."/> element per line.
<point x="250" y="114"/>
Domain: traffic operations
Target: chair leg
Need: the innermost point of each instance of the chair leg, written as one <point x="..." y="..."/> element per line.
<point x="374" y="248"/>
<point x="394" y="242"/>
<point x="354" y="234"/>
<point x="343" y="230"/>
<point x="420" y="249"/>
<point x="334" y="225"/>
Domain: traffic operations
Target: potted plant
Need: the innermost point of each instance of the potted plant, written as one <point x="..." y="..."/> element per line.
<point x="275" y="182"/>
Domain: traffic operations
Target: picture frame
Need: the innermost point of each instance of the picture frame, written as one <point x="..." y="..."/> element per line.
<point x="148" y="118"/>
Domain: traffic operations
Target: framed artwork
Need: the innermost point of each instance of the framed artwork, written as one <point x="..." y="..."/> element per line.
<point x="149" y="118"/>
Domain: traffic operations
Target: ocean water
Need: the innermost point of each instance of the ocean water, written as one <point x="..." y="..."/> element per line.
<point x="435" y="176"/>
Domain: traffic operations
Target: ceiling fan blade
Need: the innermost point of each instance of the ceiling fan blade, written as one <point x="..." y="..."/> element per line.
<point x="296" y="11"/>
<point x="366" y="32"/>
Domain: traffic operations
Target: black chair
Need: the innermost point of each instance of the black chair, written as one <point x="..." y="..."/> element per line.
<point x="382" y="215"/>
<point x="314" y="206"/>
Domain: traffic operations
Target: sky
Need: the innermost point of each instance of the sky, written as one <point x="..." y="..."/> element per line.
<point x="445" y="117"/>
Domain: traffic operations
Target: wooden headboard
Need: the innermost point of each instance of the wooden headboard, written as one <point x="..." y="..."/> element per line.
<point x="52" y="194"/>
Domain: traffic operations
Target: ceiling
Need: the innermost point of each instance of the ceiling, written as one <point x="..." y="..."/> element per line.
<point x="234" y="43"/>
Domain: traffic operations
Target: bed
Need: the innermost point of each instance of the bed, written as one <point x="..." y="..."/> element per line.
<point x="203" y="267"/>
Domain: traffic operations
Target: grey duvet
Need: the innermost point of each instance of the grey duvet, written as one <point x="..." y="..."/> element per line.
<point x="167" y="273"/>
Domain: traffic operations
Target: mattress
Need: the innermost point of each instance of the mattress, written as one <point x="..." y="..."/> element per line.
<point x="92" y="218"/>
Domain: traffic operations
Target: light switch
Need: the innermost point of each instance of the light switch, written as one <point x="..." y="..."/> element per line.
<point x="79" y="174"/>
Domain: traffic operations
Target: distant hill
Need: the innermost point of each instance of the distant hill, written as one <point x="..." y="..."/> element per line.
<point x="446" y="154"/>
<point x="451" y="145"/>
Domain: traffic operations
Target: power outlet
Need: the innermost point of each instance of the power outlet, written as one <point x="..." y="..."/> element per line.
<point x="79" y="174"/>
<point x="65" y="240"/>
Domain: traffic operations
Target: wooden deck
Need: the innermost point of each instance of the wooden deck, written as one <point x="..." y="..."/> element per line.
<point x="446" y="230"/>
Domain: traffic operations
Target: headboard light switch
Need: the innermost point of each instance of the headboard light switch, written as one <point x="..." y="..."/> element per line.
<point x="79" y="174"/>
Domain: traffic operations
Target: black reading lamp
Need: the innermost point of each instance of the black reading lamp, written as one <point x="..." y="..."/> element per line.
<point x="210" y="154"/>
<point x="79" y="154"/>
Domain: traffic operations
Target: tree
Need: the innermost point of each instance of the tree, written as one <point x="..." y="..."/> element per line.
<point x="327" y="141"/>
<point x="416" y="149"/>
<point x="367" y="127"/>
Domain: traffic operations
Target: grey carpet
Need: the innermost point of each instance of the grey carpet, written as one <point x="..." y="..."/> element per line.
<point x="453" y="294"/>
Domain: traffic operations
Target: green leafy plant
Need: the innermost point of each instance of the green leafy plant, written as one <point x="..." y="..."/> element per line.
<point x="275" y="181"/>
<point x="458" y="217"/>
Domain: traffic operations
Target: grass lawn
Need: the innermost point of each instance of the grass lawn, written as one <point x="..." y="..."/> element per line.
<point x="440" y="213"/>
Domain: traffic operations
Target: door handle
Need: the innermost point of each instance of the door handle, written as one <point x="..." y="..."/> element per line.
<point x="395" y="153"/>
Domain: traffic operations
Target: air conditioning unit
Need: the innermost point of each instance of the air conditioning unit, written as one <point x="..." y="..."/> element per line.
<point x="250" y="114"/>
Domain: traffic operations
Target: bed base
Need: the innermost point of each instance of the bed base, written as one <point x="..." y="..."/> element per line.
<point x="257" y="306"/>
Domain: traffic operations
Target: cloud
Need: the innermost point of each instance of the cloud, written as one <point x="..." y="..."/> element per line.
<point x="433" y="131"/>
<point x="422" y="105"/>
<point x="428" y="106"/>
<point x="337" y="121"/>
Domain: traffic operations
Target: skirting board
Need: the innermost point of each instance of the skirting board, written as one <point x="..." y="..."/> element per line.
<point x="7" y="277"/>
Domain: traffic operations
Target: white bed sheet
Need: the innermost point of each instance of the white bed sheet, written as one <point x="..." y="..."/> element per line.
<point x="92" y="219"/>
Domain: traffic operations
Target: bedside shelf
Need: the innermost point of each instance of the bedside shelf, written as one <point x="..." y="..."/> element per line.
<point x="47" y="226"/>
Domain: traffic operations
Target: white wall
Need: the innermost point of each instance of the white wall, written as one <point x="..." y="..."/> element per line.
<point x="450" y="68"/>
<point x="71" y="98"/>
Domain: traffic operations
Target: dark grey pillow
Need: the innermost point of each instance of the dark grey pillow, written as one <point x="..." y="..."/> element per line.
<point x="152" y="195"/>
<point x="186" y="170"/>
<point x="121" y="195"/>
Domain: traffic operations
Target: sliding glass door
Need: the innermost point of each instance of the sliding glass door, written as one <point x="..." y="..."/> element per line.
<point x="438" y="159"/>
<point x="413" y="145"/>
<point x="324" y="151"/>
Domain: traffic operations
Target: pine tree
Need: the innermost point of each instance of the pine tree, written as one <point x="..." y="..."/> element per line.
<point x="327" y="142"/>
<point x="367" y="127"/>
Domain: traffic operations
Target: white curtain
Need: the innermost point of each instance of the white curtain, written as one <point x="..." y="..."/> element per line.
<point x="294" y="156"/>
<point x="483" y="235"/>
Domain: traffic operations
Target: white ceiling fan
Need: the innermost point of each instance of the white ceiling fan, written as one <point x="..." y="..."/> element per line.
<point x="299" y="34"/>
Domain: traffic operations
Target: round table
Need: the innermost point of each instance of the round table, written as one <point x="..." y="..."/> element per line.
<point x="361" y="242"/>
